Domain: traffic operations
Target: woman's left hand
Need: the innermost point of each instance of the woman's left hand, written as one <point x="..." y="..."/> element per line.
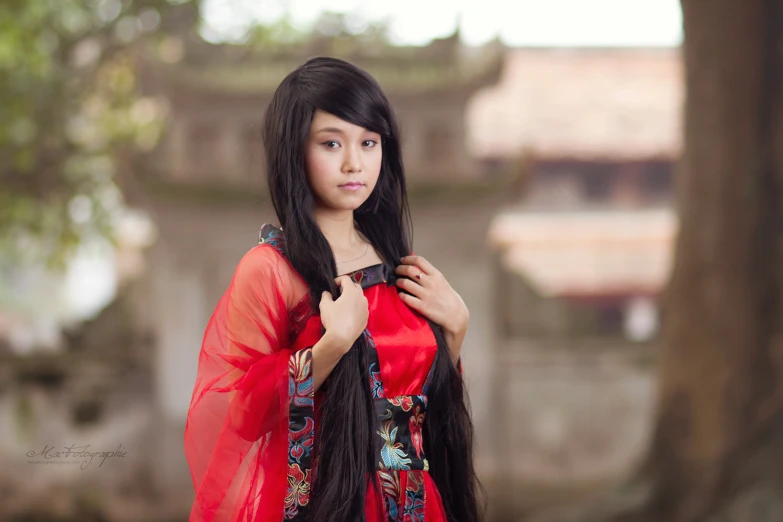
<point x="432" y="296"/>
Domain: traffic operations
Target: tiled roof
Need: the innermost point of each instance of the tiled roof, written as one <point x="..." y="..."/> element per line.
<point x="444" y="65"/>
<point x="582" y="103"/>
<point x="587" y="252"/>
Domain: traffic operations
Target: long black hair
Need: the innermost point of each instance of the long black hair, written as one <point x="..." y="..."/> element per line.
<point x="344" y="445"/>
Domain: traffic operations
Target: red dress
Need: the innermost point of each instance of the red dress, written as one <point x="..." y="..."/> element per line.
<point x="250" y="427"/>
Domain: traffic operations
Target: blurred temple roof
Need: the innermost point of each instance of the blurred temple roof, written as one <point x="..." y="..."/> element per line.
<point x="237" y="70"/>
<point x="587" y="253"/>
<point x="581" y="103"/>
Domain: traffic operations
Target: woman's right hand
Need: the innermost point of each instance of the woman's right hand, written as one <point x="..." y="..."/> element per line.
<point x="345" y="318"/>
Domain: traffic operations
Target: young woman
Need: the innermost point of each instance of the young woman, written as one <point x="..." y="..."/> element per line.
<point x="329" y="382"/>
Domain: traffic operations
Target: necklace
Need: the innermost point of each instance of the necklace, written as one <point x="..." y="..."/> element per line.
<point x="361" y="256"/>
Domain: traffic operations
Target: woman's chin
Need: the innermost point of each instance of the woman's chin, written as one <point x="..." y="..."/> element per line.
<point x="350" y="201"/>
<point x="346" y="204"/>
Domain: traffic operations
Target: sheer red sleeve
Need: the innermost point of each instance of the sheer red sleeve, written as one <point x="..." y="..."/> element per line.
<point x="236" y="435"/>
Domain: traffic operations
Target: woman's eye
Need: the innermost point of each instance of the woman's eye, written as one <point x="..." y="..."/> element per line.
<point x="370" y="143"/>
<point x="331" y="144"/>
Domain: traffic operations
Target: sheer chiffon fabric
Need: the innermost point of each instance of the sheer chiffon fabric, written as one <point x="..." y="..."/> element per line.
<point x="236" y="435"/>
<point x="243" y="452"/>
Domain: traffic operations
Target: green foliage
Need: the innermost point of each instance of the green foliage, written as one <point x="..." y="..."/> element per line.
<point x="73" y="118"/>
<point x="72" y="114"/>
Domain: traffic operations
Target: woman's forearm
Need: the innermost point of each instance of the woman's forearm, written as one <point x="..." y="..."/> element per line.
<point x="327" y="352"/>
<point x="454" y="341"/>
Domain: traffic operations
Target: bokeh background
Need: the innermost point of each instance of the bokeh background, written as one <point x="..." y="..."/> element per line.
<point x="599" y="179"/>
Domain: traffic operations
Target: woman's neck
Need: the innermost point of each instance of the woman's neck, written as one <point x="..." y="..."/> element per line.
<point x="340" y="231"/>
<point x="351" y="250"/>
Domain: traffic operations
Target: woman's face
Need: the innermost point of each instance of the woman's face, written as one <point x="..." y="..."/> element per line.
<point x="339" y="153"/>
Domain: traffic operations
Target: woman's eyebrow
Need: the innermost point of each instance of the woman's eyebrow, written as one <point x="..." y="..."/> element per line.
<point x="330" y="129"/>
<point x="339" y="131"/>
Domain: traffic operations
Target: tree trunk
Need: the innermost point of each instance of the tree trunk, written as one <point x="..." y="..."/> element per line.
<point x="717" y="451"/>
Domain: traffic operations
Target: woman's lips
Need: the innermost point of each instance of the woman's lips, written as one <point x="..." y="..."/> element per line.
<point x="352" y="186"/>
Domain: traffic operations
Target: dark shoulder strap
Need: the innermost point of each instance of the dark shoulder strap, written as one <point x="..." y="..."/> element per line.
<point x="272" y="235"/>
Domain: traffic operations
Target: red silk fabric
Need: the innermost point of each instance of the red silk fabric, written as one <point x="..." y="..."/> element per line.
<point x="236" y="435"/>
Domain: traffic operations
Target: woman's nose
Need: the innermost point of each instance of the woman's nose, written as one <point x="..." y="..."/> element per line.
<point x="351" y="160"/>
